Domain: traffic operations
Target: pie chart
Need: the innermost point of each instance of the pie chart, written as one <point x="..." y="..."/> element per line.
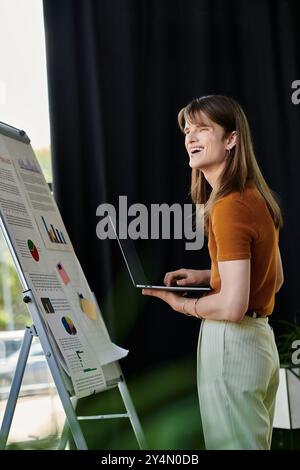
<point x="33" y="250"/>
<point x="69" y="325"/>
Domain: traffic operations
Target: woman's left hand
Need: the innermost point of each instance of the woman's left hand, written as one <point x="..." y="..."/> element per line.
<point x="175" y="301"/>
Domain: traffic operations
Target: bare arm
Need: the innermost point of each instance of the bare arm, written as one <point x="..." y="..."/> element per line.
<point x="280" y="277"/>
<point x="230" y="303"/>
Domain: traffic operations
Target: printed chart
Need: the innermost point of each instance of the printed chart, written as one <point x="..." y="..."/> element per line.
<point x="69" y="325"/>
<point x="33" y="250"/>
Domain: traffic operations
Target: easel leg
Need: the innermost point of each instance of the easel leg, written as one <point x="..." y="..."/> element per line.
<point x="56" y="373"/>
<point x="64" y="436"/>
<point x="135" y="422"/>
<point x="15" y="388"/>
<point x="131" y="414"/>
<point x="66" y="429"/>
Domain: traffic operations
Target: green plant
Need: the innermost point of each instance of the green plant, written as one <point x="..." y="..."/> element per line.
<point x="289" y="332"/>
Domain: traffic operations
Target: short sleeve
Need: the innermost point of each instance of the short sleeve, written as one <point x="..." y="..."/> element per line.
<point x="234" y="229"/>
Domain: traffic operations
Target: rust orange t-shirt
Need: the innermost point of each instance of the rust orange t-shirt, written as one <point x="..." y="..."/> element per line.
<point x="241" y="227"/>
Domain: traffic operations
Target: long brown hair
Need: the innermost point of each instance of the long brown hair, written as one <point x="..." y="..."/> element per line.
<point x="240" y="167"/>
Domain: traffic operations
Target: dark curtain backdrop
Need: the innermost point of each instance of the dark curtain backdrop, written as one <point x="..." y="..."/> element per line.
<point x="119" y="71"/>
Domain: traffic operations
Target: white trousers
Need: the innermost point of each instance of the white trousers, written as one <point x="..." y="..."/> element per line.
<point x="237" y="376"/>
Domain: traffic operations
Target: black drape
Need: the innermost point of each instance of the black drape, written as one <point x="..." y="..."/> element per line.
<point x="119" y="71"/>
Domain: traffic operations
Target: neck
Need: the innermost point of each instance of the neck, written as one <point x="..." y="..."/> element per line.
<point x="212" y="175"/>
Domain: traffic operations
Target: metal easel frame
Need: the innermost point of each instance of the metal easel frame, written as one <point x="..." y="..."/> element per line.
<point x="72" y="420"/>
<point x="38" y="328"/>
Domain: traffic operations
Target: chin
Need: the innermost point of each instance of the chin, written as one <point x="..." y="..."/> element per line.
<point x="195" y="165"/>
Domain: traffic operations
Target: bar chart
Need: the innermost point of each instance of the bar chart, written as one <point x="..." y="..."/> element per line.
<point x="55" y="235"/>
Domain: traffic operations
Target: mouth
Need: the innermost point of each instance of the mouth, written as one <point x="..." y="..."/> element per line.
<point x="196" y="151"/>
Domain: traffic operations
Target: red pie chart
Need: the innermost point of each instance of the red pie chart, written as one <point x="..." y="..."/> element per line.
<point x="33" y="250"/>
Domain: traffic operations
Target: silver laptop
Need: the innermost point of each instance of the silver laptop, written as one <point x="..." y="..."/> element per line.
<point x="136" y="271"/>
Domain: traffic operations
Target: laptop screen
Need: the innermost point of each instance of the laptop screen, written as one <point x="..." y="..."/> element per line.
<point x="131" y="258"/>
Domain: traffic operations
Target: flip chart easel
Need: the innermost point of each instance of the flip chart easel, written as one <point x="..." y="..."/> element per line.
<point x="112" y="371"/>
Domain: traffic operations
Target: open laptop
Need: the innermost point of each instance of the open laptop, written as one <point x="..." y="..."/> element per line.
<point x="136" y="271"/>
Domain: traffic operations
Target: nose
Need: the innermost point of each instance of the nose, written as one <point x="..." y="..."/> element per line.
<point x="191" y="137"/>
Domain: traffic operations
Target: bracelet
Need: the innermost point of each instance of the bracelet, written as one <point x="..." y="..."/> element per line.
<point x="195" y="311"/>
<point x="184" y="311"/>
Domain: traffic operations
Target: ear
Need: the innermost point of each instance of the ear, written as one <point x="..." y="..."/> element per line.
<point x="231" y="140"/>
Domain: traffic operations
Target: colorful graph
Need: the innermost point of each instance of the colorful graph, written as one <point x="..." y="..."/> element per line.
<point x="55" y="235"/>
<point x="87" y="306"/>
<point x="33" y="250"/>
<point x="47" y="305"/>
<point x="63" y="273"/>
<point x="69" y="325"/>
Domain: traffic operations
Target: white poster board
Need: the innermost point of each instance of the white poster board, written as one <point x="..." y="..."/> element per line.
<point x="52" y="271"/>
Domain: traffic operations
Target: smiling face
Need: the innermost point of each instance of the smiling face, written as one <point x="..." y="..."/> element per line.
<point x="205" y="143"/>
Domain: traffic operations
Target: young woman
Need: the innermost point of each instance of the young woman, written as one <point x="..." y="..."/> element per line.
<point x="238" y="365"/>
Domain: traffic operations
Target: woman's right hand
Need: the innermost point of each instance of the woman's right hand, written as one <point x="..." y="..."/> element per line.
<point x="187" y="277"/>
